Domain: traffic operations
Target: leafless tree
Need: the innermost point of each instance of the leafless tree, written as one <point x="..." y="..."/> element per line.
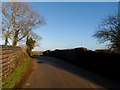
<point x="109" y="31"/>
<point x="18" y="20"/>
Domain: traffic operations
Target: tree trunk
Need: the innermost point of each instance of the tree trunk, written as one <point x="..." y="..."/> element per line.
<point x="15" y="38"/>
<point x="6" y="41"/>
<point x="28" y="51"/>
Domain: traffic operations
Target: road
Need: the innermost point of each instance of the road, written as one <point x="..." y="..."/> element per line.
<point x="50" y="72"/>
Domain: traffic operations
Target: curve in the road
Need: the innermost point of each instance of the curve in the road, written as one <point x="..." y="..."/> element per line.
<point x="55" y="73"/>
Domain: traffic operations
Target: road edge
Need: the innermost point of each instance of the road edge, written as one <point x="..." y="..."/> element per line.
<point x="25" y="76"/>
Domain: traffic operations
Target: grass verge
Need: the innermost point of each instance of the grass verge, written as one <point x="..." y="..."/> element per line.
<point x="17" y="74"/>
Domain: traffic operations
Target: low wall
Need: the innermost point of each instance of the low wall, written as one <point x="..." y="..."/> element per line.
<point x="10" y="57"/>
<point x="103" y="63"/>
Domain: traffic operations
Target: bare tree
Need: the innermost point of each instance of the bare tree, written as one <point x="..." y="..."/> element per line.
<point x="109" y="31"/>
<point x="6" y="24"/>
<point x="20" y="19"/>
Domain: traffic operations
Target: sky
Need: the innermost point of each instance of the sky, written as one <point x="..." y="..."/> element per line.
<point x="71" y="24"/>
<point x="59" y="0"/>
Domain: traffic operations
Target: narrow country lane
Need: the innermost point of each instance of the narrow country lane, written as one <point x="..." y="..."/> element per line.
<point x="50" y="72"/>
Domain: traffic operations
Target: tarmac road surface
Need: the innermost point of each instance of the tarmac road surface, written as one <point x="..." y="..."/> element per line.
<point x="50" y="72"/>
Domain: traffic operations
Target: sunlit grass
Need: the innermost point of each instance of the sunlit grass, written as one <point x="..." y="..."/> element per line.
<point x="17" y="74"/>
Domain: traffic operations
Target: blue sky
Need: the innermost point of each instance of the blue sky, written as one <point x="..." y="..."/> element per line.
<point x="71" y="25"/>
<point x="60" y="0"/>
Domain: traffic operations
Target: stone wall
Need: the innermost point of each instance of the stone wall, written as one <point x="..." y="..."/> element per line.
<point x="10" y="57"/>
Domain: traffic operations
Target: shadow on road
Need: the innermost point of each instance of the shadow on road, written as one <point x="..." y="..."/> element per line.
<point x="77" y="71"/>
<point x="40" y="62"/>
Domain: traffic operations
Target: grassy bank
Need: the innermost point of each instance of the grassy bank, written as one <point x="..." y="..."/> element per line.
<point x="17" y="74"/>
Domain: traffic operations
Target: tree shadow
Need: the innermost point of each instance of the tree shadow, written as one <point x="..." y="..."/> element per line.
<point x="92" y="77"/>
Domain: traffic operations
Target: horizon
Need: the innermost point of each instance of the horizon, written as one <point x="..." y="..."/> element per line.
<point x="67" y="21"/>
<point x="71" y="24"/>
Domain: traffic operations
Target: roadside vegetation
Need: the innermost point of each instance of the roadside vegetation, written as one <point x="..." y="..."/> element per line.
<point x="17" y="74"/>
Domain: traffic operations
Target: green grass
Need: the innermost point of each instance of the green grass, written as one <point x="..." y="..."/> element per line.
<point x="17" y="74"/>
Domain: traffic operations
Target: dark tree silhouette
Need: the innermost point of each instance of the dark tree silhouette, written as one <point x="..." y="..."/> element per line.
<point x="109" y="31"/>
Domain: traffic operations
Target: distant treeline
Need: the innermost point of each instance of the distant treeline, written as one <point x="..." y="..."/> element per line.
<point x="102" y="62"/>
